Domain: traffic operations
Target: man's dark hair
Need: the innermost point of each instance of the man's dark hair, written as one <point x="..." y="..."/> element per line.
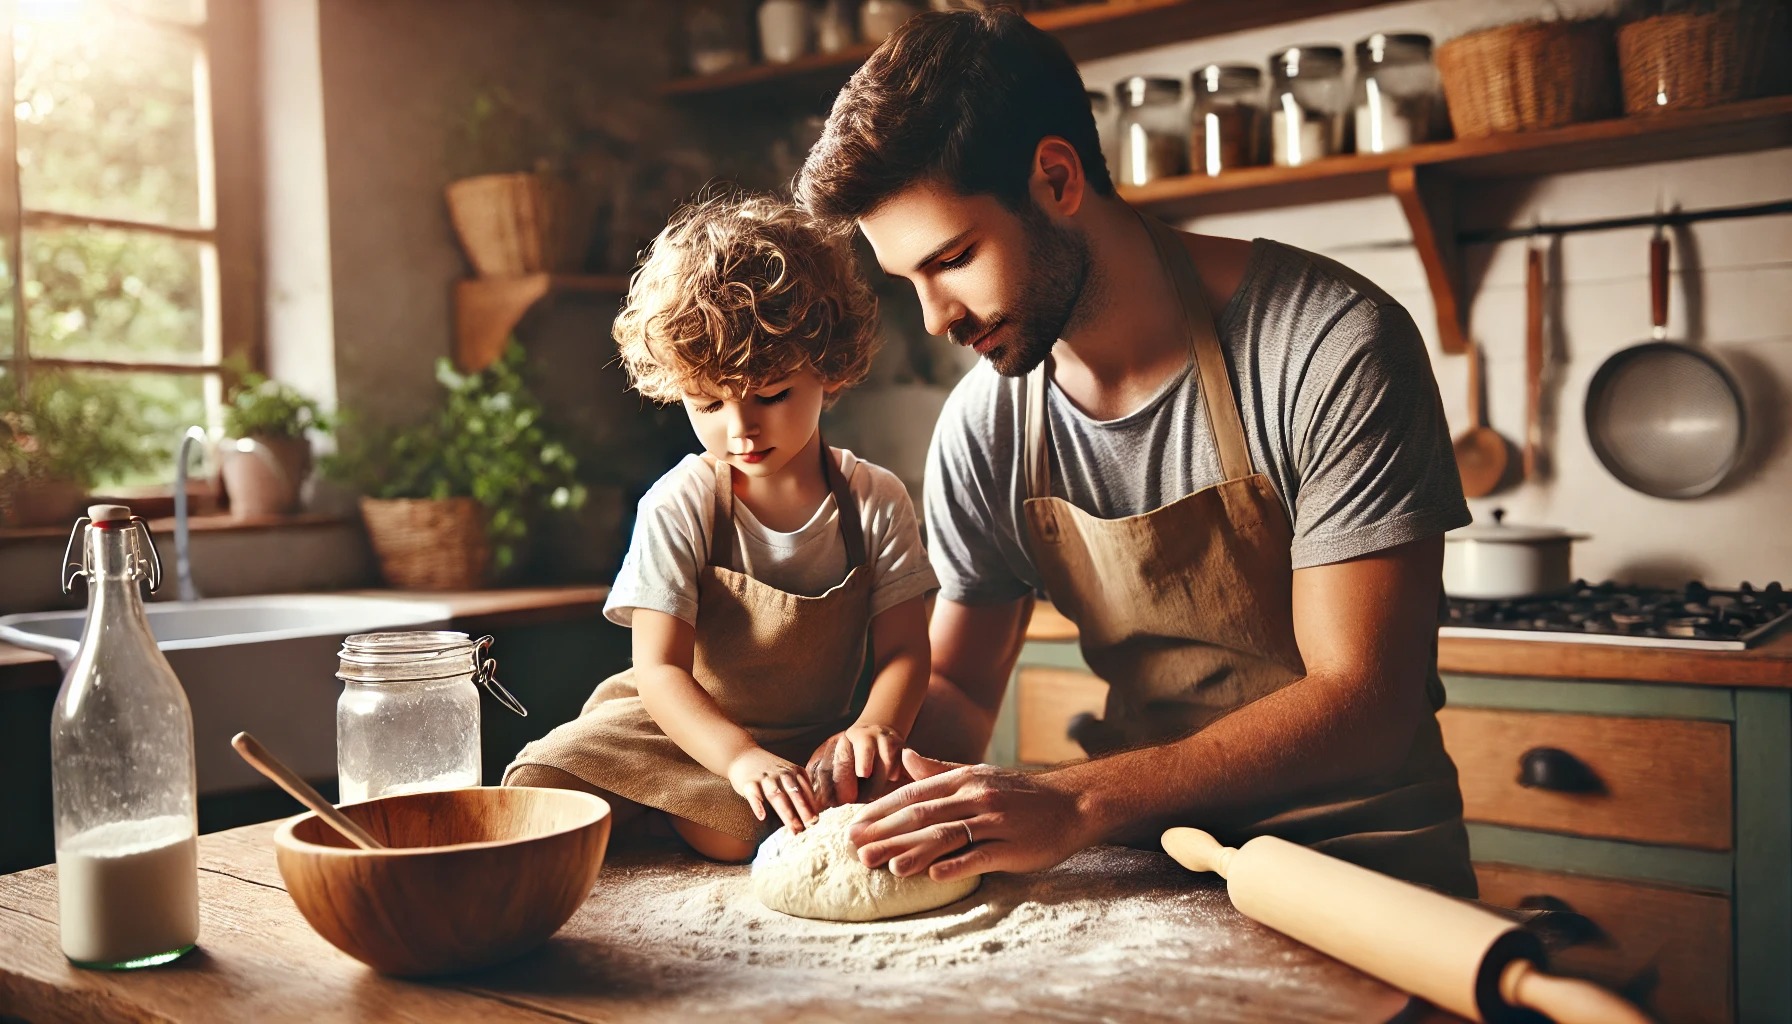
<point x="960" y="97"/>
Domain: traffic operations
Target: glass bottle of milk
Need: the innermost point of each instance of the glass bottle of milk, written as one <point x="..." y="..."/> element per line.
<point x="121" y="742"/>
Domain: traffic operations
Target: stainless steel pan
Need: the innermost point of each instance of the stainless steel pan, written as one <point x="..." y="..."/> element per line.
<point x="1665" y="419"/>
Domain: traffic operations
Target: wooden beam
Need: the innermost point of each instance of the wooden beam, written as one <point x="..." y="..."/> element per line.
<point x="1428" y="198"/>
<point x="487" y="309"/>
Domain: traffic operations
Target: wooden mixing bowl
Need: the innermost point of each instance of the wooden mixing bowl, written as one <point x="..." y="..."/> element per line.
<point x="474" y="876"/>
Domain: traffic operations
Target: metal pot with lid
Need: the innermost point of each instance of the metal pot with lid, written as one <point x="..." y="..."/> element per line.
<point x="1499" y="562"/>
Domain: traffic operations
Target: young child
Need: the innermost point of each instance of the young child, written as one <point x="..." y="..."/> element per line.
<point x="758" y="570"/>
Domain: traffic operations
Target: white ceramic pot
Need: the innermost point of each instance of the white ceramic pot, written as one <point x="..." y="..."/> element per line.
<point x="1500" y="562"/>
<point x="783" y="30"/>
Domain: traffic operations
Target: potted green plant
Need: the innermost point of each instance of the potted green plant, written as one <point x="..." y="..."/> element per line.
<point x="266" y="455"/>
<point x="448" y="502"/>
<point x="61" y="434"/>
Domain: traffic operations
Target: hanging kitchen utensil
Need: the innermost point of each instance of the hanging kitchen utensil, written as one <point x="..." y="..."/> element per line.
<point x="1533" y="361"/>
<point x="1482" y="455"/>
<point x="1665" y="419"/>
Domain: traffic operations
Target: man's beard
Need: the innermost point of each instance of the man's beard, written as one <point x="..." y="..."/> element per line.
<point x="1056" y="276"/>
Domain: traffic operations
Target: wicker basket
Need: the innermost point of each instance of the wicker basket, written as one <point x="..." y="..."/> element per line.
<point x="512" y="224"/>
<point x="1527" y="77"/>
<point x="429" y="544"/>
<point x="1683" y="61"/>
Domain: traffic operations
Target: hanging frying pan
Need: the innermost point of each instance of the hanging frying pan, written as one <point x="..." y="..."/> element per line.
<point x="1665" y="419"/>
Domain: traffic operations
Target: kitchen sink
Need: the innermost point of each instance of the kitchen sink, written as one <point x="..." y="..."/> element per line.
<point x="262" y="664"/>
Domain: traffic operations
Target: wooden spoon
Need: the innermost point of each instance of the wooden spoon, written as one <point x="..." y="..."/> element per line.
<point x="1533" y="362"/>
<point x="1481" y="453"/>
<point x="267" y="764"/>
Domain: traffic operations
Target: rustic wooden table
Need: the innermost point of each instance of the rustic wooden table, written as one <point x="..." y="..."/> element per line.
<point x="651" y="944"/>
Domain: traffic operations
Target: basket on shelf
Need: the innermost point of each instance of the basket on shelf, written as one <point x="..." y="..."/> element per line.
<point x="1701" y="59"/>
<point x="1529" y="76"/>
<point x="429" y="543"/>
<point x="514" y="224"/>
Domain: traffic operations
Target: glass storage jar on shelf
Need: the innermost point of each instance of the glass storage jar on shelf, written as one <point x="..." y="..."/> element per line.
<point x="1307" y="103"/>
<point x="408" y="717"/>
<point x="1225" y="130"/>
<point x="1398" y="95"/>
<point x="1153" y="130"/>
<point x="879" y="18"/>
<point x="784" y="30"/>
<point x="715" y="37"/>
<point x="836" y="26"/>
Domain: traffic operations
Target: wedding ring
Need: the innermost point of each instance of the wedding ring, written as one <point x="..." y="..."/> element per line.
<point x="968" y="837"/>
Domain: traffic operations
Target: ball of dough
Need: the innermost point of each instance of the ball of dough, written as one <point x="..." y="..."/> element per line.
<point x="816" y="873"/>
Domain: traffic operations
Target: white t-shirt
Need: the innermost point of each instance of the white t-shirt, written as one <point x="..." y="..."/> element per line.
<point x="672" y="530"/>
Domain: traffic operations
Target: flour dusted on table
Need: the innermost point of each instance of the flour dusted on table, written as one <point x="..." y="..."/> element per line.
<point x="817" y="873"/>
<point x="1082" y="940"/>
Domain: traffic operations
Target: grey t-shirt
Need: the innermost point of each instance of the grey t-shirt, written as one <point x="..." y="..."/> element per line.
<point x="1340" y="410"/>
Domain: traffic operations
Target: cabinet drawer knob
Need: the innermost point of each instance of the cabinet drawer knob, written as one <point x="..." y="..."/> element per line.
<point x="1556" y="918"/>
<point x="1558" y="771"/>
<point x="1088" y="731"/>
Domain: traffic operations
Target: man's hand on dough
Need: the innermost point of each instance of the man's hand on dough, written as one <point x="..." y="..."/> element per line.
<point x="763" y="778"/>
<point x="1018" y="821"/>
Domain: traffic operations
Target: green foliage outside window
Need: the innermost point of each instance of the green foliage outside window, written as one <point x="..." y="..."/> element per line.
<point x="106" y="120"/>
<point x="83" y="429"/>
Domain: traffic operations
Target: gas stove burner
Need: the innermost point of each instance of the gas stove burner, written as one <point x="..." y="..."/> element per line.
<point x="1695" y="615"/>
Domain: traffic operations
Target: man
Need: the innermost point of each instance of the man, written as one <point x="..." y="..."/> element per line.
<point x="1224" y="460"/>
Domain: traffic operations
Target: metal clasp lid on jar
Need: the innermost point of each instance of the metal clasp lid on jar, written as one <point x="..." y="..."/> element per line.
<point x="420" y="655"/>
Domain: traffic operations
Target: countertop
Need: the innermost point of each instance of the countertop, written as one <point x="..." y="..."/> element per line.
<point x="1767" y="665"/>
<point x="472" y="609"/>
<point x="666" y="937"/>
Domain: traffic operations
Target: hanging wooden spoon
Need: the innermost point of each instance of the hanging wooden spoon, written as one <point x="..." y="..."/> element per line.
<point x="1533" y="362"/>
<point x="1482" y="455"/>
<point x="267" y="764"/>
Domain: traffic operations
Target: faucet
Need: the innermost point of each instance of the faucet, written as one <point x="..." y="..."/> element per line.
<point x="183" y="568"/>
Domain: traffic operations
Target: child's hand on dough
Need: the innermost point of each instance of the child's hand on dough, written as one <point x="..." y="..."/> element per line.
<point x="763" y="778"/>
<point x="868" y="751"/>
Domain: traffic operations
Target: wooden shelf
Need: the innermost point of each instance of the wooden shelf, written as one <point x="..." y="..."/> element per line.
<point x="1424" y="178"/>
<point x="1088" y="31"/>
<point x="487" y="309"/>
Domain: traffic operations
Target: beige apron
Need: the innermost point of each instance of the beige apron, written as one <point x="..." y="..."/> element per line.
<point x="780" y="665"/>
<point x="1185" y="611"/>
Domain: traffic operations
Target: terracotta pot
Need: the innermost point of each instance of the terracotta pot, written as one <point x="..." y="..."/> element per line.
<point x="263" y="475"/>
<point x="43" y="501"/>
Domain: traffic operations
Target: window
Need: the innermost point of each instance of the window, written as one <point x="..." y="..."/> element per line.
<point x="129" y="171"/>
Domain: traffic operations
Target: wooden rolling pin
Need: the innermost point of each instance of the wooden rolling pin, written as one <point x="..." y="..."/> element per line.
<point x="1461" y="957"/>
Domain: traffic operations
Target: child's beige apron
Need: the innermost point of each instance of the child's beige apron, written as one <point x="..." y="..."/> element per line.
<point x="780" y="665"/>
<point x="1186" y="612"/>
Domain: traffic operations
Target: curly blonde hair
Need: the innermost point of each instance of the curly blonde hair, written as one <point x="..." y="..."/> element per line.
<point x="739" y="291"/>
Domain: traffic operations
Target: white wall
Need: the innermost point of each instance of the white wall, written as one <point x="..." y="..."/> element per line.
<point x="1731" y="295"/>
<point x="301" y="335"/>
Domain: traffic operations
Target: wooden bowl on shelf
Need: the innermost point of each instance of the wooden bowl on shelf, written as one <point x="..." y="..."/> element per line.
<point x="473" y="877"/>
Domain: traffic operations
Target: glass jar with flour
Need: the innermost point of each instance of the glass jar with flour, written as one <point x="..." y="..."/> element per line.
<point x="408" y="717"/>
<point x="1397" y="92"/>
<point x="1307" y="101"/>
<point x="121" y="749"/>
